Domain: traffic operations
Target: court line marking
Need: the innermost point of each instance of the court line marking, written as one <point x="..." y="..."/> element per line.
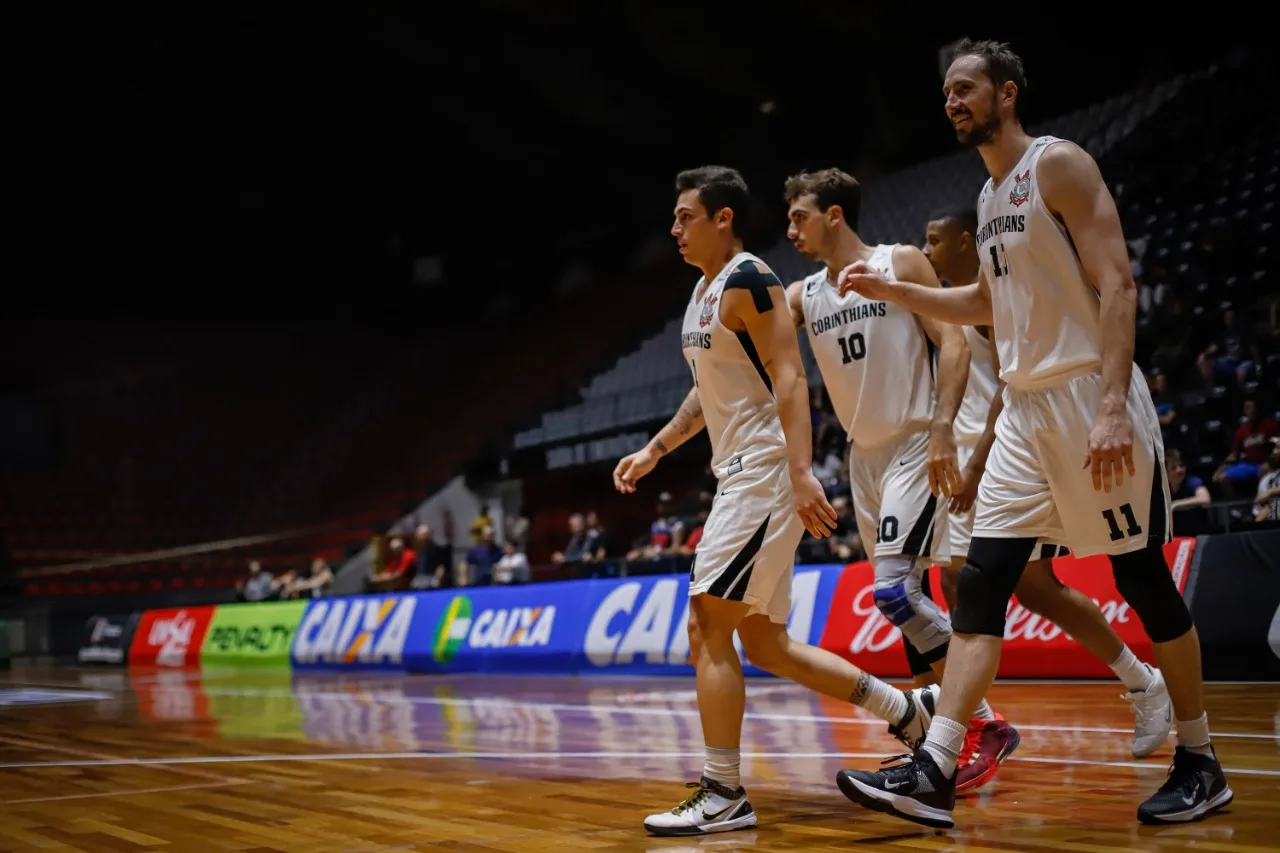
<point x="645" y="711"/>
<point x="545" y="756"/>
<point x="167" y="790"/>
<point x="36" y="745"/>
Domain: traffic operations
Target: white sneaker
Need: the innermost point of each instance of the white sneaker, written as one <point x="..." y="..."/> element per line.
<point x="922" y="703"/>
<point x="711" y="808"/>
<point x="1153" y="712"/>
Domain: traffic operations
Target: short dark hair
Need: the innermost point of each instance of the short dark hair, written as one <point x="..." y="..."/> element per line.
<point x="964" y="218"/>
<point x="828" y="187"/>
<point x="718" y="187"/>
<point x="999" y="61"/>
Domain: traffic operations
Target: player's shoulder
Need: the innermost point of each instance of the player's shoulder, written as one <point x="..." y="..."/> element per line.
<point x="910" y="263"/>
<point x="1062" y="156"/>
<point x="752" y="272"/>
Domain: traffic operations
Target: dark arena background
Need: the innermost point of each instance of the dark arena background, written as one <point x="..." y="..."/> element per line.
<point x="341" y="316"/>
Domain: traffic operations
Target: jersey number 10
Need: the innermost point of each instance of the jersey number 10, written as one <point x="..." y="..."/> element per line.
<point x="854" y="347"/>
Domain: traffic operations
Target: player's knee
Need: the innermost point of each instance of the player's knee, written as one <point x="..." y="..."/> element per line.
<point x="711" y="621"/>
<point x="1143" y="579"/>
<point x="900" y="598"/>
<point x="894" y="603"/>
<point x="986" y="584"/>
<point x="765" y="644"/>
<point x="1039" y="590"/>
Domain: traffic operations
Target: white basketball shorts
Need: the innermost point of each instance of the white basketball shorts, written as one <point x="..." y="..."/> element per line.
<point x="748" y="546"/>
<point x="960" y="525"/>
<point x="897" y="513"/>
<point x="1036" y="485"/>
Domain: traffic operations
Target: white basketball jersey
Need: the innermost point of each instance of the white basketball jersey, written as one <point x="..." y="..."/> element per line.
<point x="736" y="392"/>
<point x="971" y="420"/>
<point x="873" y="356"/>
<point x="1045" y="311"/>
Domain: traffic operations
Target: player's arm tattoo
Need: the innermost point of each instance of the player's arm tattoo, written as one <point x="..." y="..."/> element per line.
<point x="688" y="416"/>
<point x="687" y="422"/>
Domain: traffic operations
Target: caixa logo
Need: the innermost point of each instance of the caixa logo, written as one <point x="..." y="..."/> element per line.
<point x="493" y="628"/>
<point x="354" y="631"/>
<point x="632" y="626"/>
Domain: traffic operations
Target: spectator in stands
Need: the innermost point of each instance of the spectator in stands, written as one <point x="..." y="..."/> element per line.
<point x="1266" y="506"/>
<point x="595" y="543"/>
<point x="845" y="543"/>
<point x="1184" y="490"/>
<point x="397" y="574"/>
<point x="483" y="520"/>
<point x="1249" y="448"/>
<point x="516" y="529"/>
<point x="317" y="584"/>
<point x="1158" y="384"/>
<point x="513" y="567"/>
<point x="434" y="562"/>
<point x="259" y="586"/>
<point x="841" y="486"/>
<point x="695" y="526"/>
<point x="477" y="567"/>
<point x="667" y="531"/>
<point x="573" y="552"/>
<point x="1232" y="353"/>
<point x="1177" y="339"/>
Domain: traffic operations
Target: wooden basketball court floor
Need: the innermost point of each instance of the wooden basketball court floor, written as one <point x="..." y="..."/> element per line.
<point x="255" y="761"/>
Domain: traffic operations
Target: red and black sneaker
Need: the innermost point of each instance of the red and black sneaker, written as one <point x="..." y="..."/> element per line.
<point x="996" y="742"/>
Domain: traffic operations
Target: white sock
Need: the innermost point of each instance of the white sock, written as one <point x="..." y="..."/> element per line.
<point x="1194" y="735"/>
<point x="1135" y="674"/>
<point x="723" y="766"/>
<point x="943" y="742"/>
<point x="984" y="712"/>
<point x="887" y="703"/>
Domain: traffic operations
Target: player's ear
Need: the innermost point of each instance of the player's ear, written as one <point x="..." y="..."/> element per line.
<point x="834" y="213"/>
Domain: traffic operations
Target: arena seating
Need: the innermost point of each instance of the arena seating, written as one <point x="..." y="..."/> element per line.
<point x="650" y="382"/>
<point x="344" y="432"/>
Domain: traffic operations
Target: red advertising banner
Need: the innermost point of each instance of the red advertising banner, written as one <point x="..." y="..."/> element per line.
<point x="170" y="637"/>
<point x="1033" y="647"/>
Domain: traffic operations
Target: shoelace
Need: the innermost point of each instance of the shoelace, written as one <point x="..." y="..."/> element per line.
<point x="902" y="769"/>
<point x="693" y="800"/>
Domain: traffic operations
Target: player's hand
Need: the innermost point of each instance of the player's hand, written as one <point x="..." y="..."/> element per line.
<point x="812" y="506"/>
<point x="944" y="463"/>
<point x="1110" y="450"/>
<point x="963" y="499"/>
<point x="633" y="467"/>
<point x="860" y="278"/>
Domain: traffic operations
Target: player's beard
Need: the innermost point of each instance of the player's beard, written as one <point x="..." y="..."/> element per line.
<point x="980" y="134"/>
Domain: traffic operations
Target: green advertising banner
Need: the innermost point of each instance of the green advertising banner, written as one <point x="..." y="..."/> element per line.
<point x="256" y="633"/>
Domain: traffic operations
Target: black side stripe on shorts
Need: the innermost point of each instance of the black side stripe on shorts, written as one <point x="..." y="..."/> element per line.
<point x="1158" y="516"/>
<point x="920" y="540"/>
<point x="1048" y="551"/>
<point x="732" y="583"/>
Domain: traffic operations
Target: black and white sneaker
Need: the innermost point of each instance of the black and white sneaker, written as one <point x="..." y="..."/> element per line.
<point x="711" y="808"/>
<point x="914" y="790"/>
<point x="1196" y="787"/>
<point x="921" y="706"/>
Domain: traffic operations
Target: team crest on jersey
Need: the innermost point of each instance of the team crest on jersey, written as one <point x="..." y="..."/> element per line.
<point x="1021" y="192"/>
<point x="708" y="311"/>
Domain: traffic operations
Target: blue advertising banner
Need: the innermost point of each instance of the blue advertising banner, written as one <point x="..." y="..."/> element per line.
<point x="535" y="628"/>
<point x="365" y="632"/>
<point x="628" y="625"/>
<point x="640" y="625"/>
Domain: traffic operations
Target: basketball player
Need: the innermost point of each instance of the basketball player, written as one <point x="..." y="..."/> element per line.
<point x="951" y="247"/>
<point x="1057" y="290"/>
<point x="750" y="392"/>
<point x="875" y="361"/>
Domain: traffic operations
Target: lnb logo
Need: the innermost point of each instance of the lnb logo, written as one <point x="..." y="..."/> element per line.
<point x="452" y="629"/>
